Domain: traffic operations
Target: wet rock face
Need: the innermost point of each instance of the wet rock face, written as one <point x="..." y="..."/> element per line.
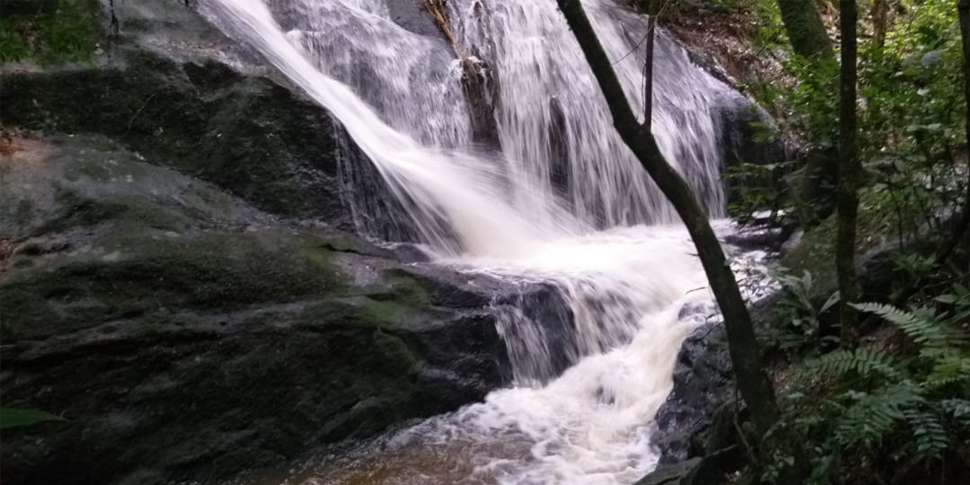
<point x="255" y="138"/>
<point x="186" y="335"/>
<point x="702" y="383"/>
<point x="748" y="135"/>
<point x="538" y="353"/>
<point x="159" y="293"/>
<point x="413" y="16"/>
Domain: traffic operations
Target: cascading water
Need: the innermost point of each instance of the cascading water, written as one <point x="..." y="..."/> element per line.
<point x="563" y="203"/>
<point x="554" y="129"/>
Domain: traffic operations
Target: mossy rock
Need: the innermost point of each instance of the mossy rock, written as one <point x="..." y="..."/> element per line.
<point x="876" y="238"/>
<point x="186" y="336"/>
<point x="247" y="135"/>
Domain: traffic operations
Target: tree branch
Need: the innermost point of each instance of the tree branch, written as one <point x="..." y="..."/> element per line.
<point x="756" y="389"/>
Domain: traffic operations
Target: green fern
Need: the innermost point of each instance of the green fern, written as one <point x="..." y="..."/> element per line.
<point x="929" y="435"/>
<point x="921" y="325"/>
<point x="860" y="361"/>
<point x="870" y="417"/>
<point x="878" y="402"/>
<point x="959" y="410"/>
<point x="949" y="368"/>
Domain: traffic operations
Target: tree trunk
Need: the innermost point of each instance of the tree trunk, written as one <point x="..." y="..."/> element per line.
<point x="848" y="196"/>
<point x="648" y="67"/>
<point x="745" y="353"/>
<point x="805" y="29"/>
<point x="816" y="180"/>
<point x="963" y="12"/>
<point x="880" y="21"/>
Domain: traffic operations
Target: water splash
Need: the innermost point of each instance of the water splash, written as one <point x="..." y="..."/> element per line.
<point x="510" y="215"/>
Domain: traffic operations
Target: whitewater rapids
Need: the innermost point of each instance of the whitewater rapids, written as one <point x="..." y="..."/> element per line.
<point x="608" y="241"/>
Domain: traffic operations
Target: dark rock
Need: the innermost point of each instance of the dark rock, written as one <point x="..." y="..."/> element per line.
<point x="702" y="383"/>
<point x="409" y="253"/>
<point x="153" y="297"/>
<point x="756" y="238"/>
<point x="706" y="470"/>
<point x="559" y="149"/>
<point x="792" y="242"/>
<point x="538" y="353"/>
<point x="378" y="214"/>
<point x="246" y="134"/>
<point x="184" y="335"/>
<point x="670" y="474"/>
<point x="748" y="135"/>
<point x="714" y="453"/>
<point x="413" y="16"/>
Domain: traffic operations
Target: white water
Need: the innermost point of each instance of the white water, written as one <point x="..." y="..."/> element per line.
<point x="502" y="214"/>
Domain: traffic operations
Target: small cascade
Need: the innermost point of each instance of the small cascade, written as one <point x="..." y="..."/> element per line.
<point x="559" y="201"/>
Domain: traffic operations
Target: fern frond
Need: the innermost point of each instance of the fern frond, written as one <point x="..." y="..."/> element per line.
<point x="959" y="410"/>
<point x="872" y="416"/>
<point x="921" y="325"/>
<point x="860" y="361"/>
<point x="929" y="436"/>
<point x="948" y="369"/>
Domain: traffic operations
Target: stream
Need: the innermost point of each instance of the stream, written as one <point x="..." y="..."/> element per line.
<point x="559" y="200"/>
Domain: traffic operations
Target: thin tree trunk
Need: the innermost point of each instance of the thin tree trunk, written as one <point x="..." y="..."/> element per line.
<point x="745" y="353"/>
<point x="809" y="39"/>
<point x="880" y="21"/>
<point x="963" y="12"/>
<point x="848" y="196"/>
<point x="805" y="29"/>
<point x="648" y="66"/>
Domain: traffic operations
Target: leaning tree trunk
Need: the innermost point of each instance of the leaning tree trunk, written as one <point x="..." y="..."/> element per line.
<point x="848" y="196"/>
<point x="809" y="39"/>
<point x="805" y="29"/>
<point x="745" y="353"/>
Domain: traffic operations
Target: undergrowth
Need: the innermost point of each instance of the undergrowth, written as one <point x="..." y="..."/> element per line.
<point x="50" y="32"/>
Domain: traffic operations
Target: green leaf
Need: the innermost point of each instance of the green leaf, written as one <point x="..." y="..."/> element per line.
<point x="14" y="417"/>
<point x="830" y="302"/>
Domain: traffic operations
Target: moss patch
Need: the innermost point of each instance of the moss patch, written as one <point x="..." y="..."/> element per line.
<point x="129" y="273"/>
<point x="255" y="139"/>
<point x="816" y="252"/>
<point x="50" y="31"/>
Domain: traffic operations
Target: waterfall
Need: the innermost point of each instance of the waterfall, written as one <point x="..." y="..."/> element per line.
<point x="555" y="131"/>
<point x="556" y="199"/>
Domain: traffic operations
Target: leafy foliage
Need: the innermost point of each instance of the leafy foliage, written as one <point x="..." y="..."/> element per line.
<point x="755" y="187"/>
<point x="910" y="113"/>
<point x="920" y="324"/>
<point x="799" y="325"/>
<point x="66" y="31"/>
<point x="902" y="405"/>
<point x="860" y="362"/>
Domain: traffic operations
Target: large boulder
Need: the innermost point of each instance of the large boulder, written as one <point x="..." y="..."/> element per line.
<point x="183" y="334"/>
<point x="703" y="379"/>
<point x="247" y="134"/>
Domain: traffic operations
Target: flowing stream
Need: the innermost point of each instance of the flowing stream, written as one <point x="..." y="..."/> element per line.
<point x="557" y="199"/>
